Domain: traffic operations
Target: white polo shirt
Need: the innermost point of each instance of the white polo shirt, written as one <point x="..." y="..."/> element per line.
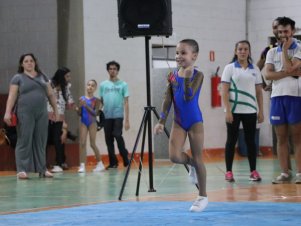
<point x="288" y="86"/>
<point x="242" y="86"/>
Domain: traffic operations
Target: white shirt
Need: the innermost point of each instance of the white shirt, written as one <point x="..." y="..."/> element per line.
<point x="61" y="104"/>
<point x="288" y="86"/>
<point x="242" y="86"/>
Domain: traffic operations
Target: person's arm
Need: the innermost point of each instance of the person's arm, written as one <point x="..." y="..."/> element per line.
<point x="11" y="101"/>
<point x="287" y="62"/>
<point x="78" y="110"/>
<point x="260" y="63"/>
<point x="70" y="100"/>
<point x="97" y="106"/>
<point x="259" y="98"/>
<point x="126" y="114"/>
<point x="83" y="103"/>
<point x="52" y="101"/>
<point x="271" y="74"/>
<point x="64" y="132"/>
<point x="226" y="101"/>
<point x="296" y="65"/>
<point x="290" y="65"/>
<point x="166" y="104"/>
<point x="191" y="86"/>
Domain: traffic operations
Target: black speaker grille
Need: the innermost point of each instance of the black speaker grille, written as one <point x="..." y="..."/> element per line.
<point x="144" y="17"/>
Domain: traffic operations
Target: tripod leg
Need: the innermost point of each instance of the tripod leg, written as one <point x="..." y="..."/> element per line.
<point x="141" y="159"/>
<point x="133" y="153"/>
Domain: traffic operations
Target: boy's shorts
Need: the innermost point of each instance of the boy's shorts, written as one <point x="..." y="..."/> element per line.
<point x="285" y="110"/>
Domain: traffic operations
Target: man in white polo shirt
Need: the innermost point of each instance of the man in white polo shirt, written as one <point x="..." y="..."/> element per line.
<point x="285" y="111"/>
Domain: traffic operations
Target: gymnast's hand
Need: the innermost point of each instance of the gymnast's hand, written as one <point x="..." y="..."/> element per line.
<point x="159" y="128"/>
<point x="188" y="72"/>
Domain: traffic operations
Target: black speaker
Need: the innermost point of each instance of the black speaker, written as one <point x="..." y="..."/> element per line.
<point x="144" y="18"/>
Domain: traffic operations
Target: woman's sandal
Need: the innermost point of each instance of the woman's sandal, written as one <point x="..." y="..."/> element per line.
<point x="22" y="175"/>
<point x="46" y="174"/>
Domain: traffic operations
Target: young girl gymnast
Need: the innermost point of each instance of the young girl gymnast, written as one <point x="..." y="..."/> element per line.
<point x="88" y="110"/>
<point x="183" y="90"/>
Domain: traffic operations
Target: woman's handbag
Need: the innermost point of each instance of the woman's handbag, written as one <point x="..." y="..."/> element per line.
<point x="14" y="118"/>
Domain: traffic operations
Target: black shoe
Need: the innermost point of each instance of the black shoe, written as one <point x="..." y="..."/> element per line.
<point x="112" y="166"/>
<point x="126" y="163"/>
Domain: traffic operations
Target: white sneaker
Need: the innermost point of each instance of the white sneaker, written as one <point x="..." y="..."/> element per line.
<point x="57" y="169"/>
<point x="99" y="167"/>
<point x="192" y="175"/>
<point x="82" y="168"/>
<point x="199" y="204"/>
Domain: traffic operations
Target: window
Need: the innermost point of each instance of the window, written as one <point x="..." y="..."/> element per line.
<point x="163" y="56"/>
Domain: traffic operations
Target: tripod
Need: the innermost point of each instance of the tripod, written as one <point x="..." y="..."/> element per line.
<point x="146" y="122"/>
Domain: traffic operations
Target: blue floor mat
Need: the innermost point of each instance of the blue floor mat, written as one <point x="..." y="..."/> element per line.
<point x="164" y="213"/>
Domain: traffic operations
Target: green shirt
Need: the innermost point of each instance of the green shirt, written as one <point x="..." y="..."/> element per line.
<point x="113" y="94"/>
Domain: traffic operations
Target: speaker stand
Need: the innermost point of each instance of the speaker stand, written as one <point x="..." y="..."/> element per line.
<point x="146" y="122"/>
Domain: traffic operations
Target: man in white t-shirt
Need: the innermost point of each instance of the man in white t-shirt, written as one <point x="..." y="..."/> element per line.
<point x="285" y="112"/>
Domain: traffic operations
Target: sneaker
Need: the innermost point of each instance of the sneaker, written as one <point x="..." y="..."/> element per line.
<point x="82" y="168"/>
<point x="298" y="178"/>
<point x="199" y="204"/>
<point x="282" y="179"/>
<point x="57" y="169"/>
<point x="229" y="176"/>
<point x="112" y="166"/>
<point x="255" y="176"/>
<point x="192" y="175"/>
<point x="99" y="167"/>
<point x="22" y="175"/>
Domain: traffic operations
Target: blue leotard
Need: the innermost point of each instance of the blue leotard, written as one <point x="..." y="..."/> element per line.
<point x="185" y="99"/>
<point x="186" y="112"/>
<point x="86" y="117"/>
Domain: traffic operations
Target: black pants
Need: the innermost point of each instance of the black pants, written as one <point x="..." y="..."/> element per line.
<point x="113" y="130"/>
<point x="54" y="137"/>
<point x="249" y="125"/>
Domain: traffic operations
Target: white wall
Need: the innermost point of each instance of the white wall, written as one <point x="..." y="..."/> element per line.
<point x="31" y="26"/>
<point x="102" y="44"/>
<point x="216" y="25"/>
<point x="27" y="26"/>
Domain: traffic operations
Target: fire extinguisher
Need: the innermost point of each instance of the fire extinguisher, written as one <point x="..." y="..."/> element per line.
<point x="216" y="99"/>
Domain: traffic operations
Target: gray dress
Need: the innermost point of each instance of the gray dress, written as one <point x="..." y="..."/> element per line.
<point x="32" y="127"/>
